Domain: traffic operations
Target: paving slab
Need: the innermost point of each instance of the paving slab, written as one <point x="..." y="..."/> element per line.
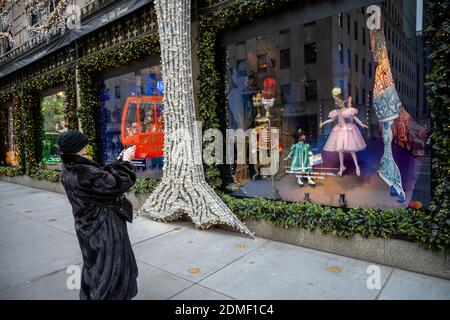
<point x="281" y="271"/>
<point x="11" y="188"/>
<point x="405" y="285"/>
<point x="193" y="254"/>
<point x="197" y="292"/>
<point x="49" y="287"/>
<point x="7" y="217"/>
<point x="50" y="212"/>
<point x="9" y="199"/>
<point x="22" y="231"/>
<point x="36" y="206"/>
<point x="37" y="258"/>
<point x="143" y="228"/>
<point x="63" y="223"/>
<point x="156" y="284"/>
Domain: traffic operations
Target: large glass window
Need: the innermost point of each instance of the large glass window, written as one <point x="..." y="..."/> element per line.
<point x="52" y="115"/>
<point x="284" y="79"/>
<point x="131" y="114"/>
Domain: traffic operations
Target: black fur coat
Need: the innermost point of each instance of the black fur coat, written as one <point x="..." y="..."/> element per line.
<point x="109" y="267"/>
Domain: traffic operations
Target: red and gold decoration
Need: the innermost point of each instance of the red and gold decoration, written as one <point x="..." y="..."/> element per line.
<point x="142" y="126"/>
<point x="268" y="95"/>
<point x="257" y="104"/>
<point x="270" y="86"/>
<point x="409" y="134"/>
<point x="386" y="104"/>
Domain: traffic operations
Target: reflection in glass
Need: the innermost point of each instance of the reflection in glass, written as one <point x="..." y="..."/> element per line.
<point x="131" y="114"/>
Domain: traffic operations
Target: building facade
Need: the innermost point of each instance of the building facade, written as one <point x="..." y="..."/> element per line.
<point x="307" y="49"/>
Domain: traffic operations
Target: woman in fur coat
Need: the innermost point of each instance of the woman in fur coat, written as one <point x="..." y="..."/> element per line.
<point x="101" y="212"/>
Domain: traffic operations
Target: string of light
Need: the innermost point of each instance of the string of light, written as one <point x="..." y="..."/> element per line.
<point x="51" y="19"/>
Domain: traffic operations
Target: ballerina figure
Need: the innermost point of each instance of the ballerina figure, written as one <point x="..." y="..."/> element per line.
<point x="345" y="135"/>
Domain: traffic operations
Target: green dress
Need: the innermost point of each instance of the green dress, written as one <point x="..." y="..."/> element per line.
<point x="300" y="153"/>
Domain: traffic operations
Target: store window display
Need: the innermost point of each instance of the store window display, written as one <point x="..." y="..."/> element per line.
<point x="54" y="123"/>
<point x="131" y="114"/>
<point x="294" y="77"/>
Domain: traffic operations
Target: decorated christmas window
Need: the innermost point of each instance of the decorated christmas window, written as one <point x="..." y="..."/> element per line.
<point x="53" y="123"/>
<point x="131" y="114"/>
<point x="318" y="129"/>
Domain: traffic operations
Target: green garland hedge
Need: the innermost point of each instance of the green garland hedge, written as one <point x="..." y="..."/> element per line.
<point x="438" y="95"/>
<point x="8" y="171"/>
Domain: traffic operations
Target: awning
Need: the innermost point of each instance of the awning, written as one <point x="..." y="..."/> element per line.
<point x="99" y="19"/>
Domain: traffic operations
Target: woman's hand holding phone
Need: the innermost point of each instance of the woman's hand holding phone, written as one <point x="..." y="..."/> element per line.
<point x="128" y="155"/>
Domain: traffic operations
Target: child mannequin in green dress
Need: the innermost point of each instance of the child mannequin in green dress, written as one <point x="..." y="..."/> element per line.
<point x="300" y="152"/>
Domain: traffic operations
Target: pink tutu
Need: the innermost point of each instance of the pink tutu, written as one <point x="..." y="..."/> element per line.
<point x="344" y="137"/>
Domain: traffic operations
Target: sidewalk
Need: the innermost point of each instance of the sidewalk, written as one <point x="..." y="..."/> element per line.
<point x="38" y="244"/>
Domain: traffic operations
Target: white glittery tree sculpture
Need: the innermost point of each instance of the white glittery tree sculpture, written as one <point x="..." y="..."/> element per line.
<point x="183" y="188"/>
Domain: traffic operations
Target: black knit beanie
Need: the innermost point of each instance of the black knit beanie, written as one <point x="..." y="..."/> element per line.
<point x="72" y="141"/>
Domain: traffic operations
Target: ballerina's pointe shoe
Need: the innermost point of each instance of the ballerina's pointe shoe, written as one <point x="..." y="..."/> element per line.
<point x="341" y="171"/>
<point x="300" y="182"/>
<point x="358" y="171"/>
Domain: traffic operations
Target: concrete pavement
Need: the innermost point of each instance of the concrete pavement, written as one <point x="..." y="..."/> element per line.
<point x="177" y="261"/>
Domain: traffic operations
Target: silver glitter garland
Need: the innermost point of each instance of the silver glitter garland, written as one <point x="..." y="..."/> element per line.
<point x="54" y="20"/>
<point x="183" y="188"/>
<point x="6" y="20"/>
